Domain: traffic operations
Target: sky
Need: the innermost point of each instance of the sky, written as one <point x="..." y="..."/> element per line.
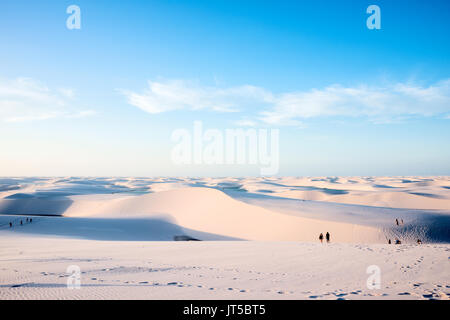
<point x="108" y="98"/>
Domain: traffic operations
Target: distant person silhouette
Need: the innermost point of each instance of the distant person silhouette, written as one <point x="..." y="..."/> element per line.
<point x="321" y="238"/>
<point x="419" y="241"/>
<point x="398" y="242"/>
<point x="396" y="221"/>
<point x="10" y="225"/>
<point x="389" y="242"/>
<point x="328" y="237"/>
<point x="31" y="220"/>
<point x="21" y="223"/>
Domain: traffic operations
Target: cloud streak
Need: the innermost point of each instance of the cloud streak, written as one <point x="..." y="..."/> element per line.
<point x="188" y="95"/>
<point x="374" y="103"/>
<point x="377" y="104"/>
<point x="24" y="99"/>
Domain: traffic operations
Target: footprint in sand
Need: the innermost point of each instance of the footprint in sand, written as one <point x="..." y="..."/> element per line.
<point x="431" y="296"/>
<point x="356" y="292"/>
<point x="340" y="295"/>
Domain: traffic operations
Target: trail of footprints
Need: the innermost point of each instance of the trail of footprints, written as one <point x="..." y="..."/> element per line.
<point x="136" y="270"/>
<point x="409" y="267"/>
<point x="420" y="290"/>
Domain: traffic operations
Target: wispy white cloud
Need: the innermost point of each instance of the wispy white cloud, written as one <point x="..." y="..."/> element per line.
<point x="387" y="103"/>
<point x="24" y="99"/>
<point x="179" y="94"/>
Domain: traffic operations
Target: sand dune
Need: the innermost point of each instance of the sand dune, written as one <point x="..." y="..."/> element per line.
<point x="275" y="209"/>
<point x="412" y="193"/>
<point x="121" y="232"/>
<point x="210" y="210"/>
<point x="195" y="212"/>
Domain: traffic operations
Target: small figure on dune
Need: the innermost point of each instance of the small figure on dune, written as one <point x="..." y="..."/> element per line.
<point x="31" y="220"/>
<point x="389" y="242"/>
<point x="321" y="238"/>
<point x="21" y="223"/>
<point x="419" y="241"/>
<point x="328" y="237"/>
<point x="398" y="241"/>
<point x="10" y="225"/>
<point x="396" y="221"/>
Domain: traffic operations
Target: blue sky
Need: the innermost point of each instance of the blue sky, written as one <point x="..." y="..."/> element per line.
<point x="105" y="99"/>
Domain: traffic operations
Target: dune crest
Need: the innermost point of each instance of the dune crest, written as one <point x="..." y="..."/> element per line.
<point x="263" y="209"/>
<point x="210" y="210"/>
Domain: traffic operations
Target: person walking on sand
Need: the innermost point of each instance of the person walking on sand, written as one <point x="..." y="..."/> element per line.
<point x="396" y="221"/>
<point x="10" y="225"/>
<point x="21" y="223"/>
<point x="389" y="242"/>
<point x="328" y="237"/>
<point x="321" y="238"/>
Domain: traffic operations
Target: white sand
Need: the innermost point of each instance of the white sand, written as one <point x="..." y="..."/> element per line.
<point x="120" y="232"/>
<point x="35" y="268"/>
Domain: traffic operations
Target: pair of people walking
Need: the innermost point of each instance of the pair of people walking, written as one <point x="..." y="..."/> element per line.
<point x="327" y="236"/>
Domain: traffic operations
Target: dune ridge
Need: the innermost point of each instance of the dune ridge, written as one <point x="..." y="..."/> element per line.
<point x="218" y="209"/>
